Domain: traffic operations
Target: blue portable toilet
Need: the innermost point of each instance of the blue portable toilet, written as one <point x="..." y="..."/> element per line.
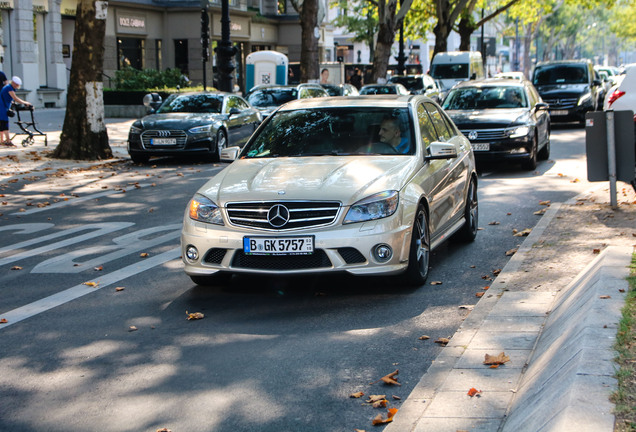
<point x="265" y="67"/>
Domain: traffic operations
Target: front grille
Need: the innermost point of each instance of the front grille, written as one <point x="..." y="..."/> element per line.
<point x="486" y="134"/>
<point x="316" y="260"/>
<point x="272" y="215"/>
<point x="563" y="103"/>
<point x="180" y="136"/>
<point x="215" y="256"/>
<point x="351" y="255"/>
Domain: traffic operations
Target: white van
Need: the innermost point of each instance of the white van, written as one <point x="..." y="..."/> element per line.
<point x="454" y="66"/>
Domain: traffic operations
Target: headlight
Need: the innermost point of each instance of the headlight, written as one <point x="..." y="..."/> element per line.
<point x="585" y="98"/>
<point x="204" y="210"/>
<point x="518" y="132"/>
<point x="135" y="130"/>
<point x="201" y="129"/>
<point x="376" y="206"/>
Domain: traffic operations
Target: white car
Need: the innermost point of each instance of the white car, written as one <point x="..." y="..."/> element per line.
<point x="623" y="96"/>
<point x="367" y="185"/>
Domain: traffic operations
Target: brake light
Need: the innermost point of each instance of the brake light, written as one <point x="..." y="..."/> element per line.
<point x="614" y="96"/>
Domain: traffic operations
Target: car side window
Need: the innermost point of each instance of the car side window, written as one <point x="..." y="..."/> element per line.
<point x="443" y="134"/>
<point x="427" y="130"/>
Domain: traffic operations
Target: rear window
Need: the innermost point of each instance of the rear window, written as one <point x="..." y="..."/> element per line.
<point x="411" y="83"/>
<point x="560" y="74"/>
<point x="272" y="97"/>
<point x="447" y="71"/>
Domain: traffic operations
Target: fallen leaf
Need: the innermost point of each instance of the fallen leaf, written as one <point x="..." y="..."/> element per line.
<point x="164" y="430"/>
<point x="379" y="420"/>
<point x="605" y="297"/>
<point x="499" y="359"/>
<point x="356" y="395"/>
<point x="91" y="284"/>
<point x="486" y="288"/>
<point x="194" y="316"/>
<point x="144" y="255"/>
<point x="16" y="268"/>
<point x="380" y="404"/>
<point x="132" y="329"/>
<point x="436" y="283"/>
<point x="359" y="430"/>
<point x="391" y="378"/>
<point x="442" y="341"/>
<point x="396" y="397"/>
<point x="479" y="294"/>
<point x="473" y="392"/>
<point x="511" y="252"/>
<point x="119" y="289"/>
<point x="496" y="272"/>
<point x="493" y="223"/>
<point x="424" y="337"/>
<point x="545" y="203"/>
<point x="3" y="321"/>
<point x="375" y="398"/>
<point x="523" y="233"/>
<point x="100" y="268"/>
<point x="596" y="251"/>
<point x="540" y="212"/>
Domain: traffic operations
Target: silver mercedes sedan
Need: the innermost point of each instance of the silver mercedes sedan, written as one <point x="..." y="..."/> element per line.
<point x="367" y="185"/>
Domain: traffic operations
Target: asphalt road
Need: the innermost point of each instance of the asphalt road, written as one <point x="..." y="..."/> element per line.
<point x="271" y="354"/>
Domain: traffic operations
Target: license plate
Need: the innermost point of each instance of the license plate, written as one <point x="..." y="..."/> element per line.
<point x="559" y="112"/>
<point x="480" y="146"/>
<point x="163" y="141"/>
<point x="278" y="245"/>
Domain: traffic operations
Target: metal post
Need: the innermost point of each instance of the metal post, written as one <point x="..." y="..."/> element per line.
<point x="611" y="157"/>
<point x="225" y="51"/>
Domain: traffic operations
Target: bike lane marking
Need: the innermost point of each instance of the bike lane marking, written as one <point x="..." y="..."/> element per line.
<point x="70" y="294"/>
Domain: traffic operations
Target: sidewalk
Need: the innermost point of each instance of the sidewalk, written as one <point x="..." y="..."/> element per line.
<point x="553" y="310"/>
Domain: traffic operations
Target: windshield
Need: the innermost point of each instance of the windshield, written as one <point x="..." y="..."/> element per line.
<point x="448" y="71"/>
<point x="272" y="97"/>
<point x="560" y="74"/>
<point x="334" y="132"/>
<point x="469" y="98"/>
<point x="332" y="89"/>
<point x="373" y="90"/>
<point x="411" y="83"/>
<point x="198" y="103"/>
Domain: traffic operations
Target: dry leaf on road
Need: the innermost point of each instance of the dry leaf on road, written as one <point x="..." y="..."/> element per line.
<point x="194" y="316"/>
<point x="499" y="359"/>
<point x="379" y="420"/>
<point x="356" y="395"/>
<point x="473" y="392"/>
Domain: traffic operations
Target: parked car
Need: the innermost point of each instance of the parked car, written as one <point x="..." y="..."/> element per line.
<point x="623" y="96"/>
<point x="511" y="75"/>
<point x="384" y="89"/>
<point x="268" y="97"/>
<point x="419" y="84"/>
<point x="340" y="89"/>
<point x="570" y="87"/>
<point x="201" y="123"/>
<point x="503" y="119"/>
<point x="368" y="185"/>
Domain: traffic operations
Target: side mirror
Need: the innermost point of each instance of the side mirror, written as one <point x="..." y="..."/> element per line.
<point x="441" y="150"/>
<point x="596" y="82"/>
<point x="152" y="101"/>
<point x="229" y="154"/>
<point x="542" y="106"/>
<point x="235" y="111"/>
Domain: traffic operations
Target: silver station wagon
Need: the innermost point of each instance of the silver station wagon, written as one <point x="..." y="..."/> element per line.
<point x="367" y="185"/>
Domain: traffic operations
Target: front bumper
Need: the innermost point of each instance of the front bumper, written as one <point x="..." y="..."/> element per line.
<point x="504" y="149"/>
<point x="191" y="145"/>
<point x="337" y="248"/>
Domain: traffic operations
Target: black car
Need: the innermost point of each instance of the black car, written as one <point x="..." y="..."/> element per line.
<point x="268" y="97"/>
<point x="192" y="124"/>
<point x="419" y="84"/>
<point x="570" y="87"/>
<point x="502" y="118"/>
<point x="340" y="89"/>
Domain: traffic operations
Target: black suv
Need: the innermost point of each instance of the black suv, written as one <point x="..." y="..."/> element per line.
<point x="570" y="87"/>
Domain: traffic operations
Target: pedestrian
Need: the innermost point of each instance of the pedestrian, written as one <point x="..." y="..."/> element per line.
<point x="7" y="97"/>
<point x="3" y="79"/>
<point x="356" y="79"/>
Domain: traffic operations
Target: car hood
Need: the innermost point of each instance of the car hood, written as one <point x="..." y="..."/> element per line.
<point x="560" y="90"/>
<point x="179" y="121"/>
<point x="330" y="178"/>
<point x="489" y="118"/>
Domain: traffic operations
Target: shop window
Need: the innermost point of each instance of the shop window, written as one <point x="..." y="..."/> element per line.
<point x="130" y="53"/>
<point x="181" y="55"/>
<point x="158" y="58"/>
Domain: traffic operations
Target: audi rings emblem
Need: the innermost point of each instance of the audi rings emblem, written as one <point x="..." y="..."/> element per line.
<point x="278" y="215"/>
<point x="472" y="135"/>
<point x="163" y="133"/>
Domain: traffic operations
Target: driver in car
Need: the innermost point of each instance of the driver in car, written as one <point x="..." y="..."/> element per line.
<point x="390" y="133"/>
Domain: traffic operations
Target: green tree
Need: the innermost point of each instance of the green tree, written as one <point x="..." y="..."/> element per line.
<point x="84" y="135"/>
<point x="361" y="19"/>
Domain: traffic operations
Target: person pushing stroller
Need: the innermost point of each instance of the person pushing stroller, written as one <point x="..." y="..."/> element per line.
<point x="7" y="97"/>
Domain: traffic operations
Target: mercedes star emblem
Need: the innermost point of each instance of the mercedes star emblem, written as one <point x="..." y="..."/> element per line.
<point x="472" y="135"/>
<point x="278" y="215"/>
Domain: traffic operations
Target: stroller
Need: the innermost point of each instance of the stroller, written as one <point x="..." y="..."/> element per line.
<point x="29" y="128"/>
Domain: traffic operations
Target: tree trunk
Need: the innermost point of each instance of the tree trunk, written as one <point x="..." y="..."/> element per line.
<point x="309" y="58"/>
<point x="84" y="133"/>
<point x="465" y="28"/>
<point x="388" y="23"/>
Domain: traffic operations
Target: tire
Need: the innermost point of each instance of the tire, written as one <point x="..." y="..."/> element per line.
<point x="139" y="158"/>
<point x="530" y="164"/>
<point x="420" y="250"/>
<point x="468" y="231"/>
<point x="221" y="143"/>
<point x="216" y="279"/>
<point x="544" y="153"/>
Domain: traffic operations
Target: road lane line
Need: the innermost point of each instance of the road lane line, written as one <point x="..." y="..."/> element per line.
<point x="70" y="294"/>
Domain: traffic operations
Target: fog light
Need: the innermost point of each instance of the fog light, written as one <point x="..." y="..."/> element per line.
<point x="192" y="254"/>
<point x="382" y="252"/>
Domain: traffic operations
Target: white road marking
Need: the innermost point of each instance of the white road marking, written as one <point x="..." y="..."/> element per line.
<point x="70" y="294"/>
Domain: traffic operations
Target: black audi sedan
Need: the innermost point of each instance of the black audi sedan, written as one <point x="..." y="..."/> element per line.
<point x="504" y="119"/>
<point x="200" y="123"/>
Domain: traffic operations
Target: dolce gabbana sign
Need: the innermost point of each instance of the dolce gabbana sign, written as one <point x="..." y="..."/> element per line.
<point x="131" y="24"/>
